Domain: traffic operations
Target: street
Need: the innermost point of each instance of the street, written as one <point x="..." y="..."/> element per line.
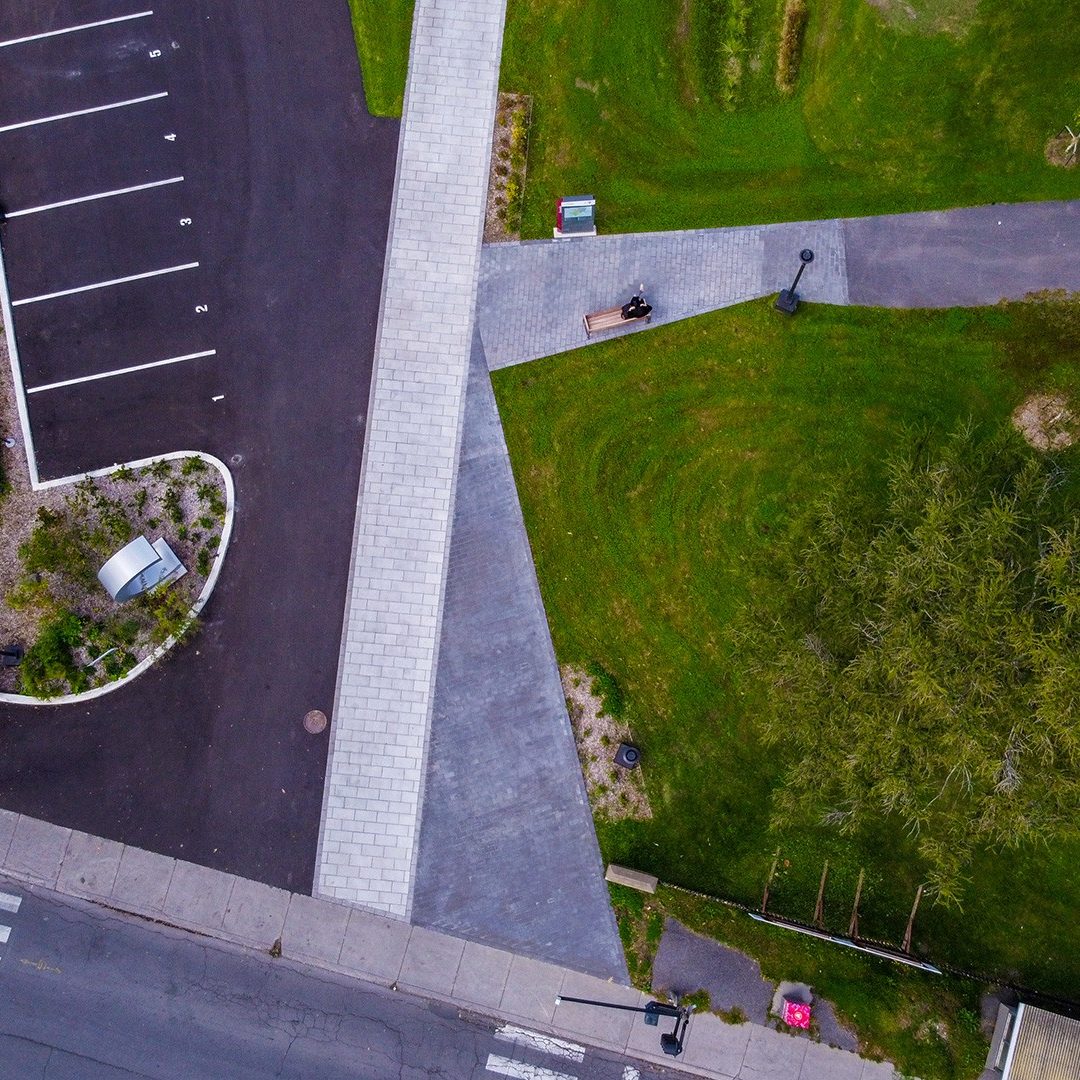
<point x="89" y="994"/>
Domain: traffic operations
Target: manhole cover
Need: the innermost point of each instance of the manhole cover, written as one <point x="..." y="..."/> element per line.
<point x="315" y="722"/>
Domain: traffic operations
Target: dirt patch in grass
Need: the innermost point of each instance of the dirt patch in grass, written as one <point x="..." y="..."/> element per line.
<point x="1046" y="422"/>
<point x="952" y="17"/>
<point x="615" y="794"/>
<point x="1061" y="150"/>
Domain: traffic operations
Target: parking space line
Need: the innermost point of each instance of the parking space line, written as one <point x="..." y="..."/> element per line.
<point x="84" y="112"/>
<point x="72" y="29"/>
<point x="120" y="371"/>
<point x="103" y="284"/>
<point x="10" y="903"/>
<point x="91" y="198"/>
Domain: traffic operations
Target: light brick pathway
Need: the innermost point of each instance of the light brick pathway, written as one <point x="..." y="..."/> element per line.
<point x="393" y="607"/>
<point x="533" y="295"/>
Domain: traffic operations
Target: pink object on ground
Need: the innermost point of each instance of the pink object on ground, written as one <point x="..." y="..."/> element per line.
<point x="796" y="1014"/>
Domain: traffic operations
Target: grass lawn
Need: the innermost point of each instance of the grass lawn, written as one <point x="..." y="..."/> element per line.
<point x="652" y="471"/>
<point x="889" y="113"/>
<point x="382" y="40"/>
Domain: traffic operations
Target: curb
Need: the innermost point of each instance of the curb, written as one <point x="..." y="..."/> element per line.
<point x="390" y="953"/>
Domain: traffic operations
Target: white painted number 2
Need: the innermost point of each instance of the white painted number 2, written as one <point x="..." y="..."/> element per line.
<point x="201" y="309"/>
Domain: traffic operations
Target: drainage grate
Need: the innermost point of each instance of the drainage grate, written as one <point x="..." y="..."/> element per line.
<point x="315" y="722"/>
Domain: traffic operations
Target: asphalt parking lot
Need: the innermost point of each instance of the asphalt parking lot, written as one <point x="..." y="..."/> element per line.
<point x="196" y="205"/>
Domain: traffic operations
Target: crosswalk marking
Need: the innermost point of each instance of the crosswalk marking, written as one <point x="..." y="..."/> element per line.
<point x="5" y="933"/>
<point x="630" y="1073"/>
<point x="522" y="1070"/>
<point x="546" y="1044"/>
<point x="9" y="902"/>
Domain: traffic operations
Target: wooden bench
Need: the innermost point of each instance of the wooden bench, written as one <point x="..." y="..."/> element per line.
<point x="634" y="879"/>
<point x="608" y="320"/>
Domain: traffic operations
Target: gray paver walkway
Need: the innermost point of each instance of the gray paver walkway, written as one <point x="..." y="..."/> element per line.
<point x="393" y="606"/>
<point x="508" y="853"/>
<point x="346" y="939"/>
<point x="533" y="295"/>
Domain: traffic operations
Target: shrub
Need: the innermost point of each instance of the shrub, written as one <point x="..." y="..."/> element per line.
<point x="48" y="668"/>
<point x="210" y="494"/>
<point x="193" y="465"/>
<point x="796" y="15"/>
<point x="170" y="501"/>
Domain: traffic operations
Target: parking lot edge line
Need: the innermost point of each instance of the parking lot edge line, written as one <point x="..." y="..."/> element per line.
<point x="73" y="29"/>
<point x="104" y="284"/>
<point x="121" y="371"/>
<point x="16" y="372"/>
<point x="92" y="198"/>
<point x="84" y="112"/>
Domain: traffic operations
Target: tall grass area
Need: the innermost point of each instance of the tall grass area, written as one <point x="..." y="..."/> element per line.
<point x="653" y="471"/>
<point x="669" y="111"/>
<point x="382" y="31"/>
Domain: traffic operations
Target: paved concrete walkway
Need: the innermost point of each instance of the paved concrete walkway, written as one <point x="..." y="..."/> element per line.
<point x="533" y="294"/>
<point x="508" y="853"/>
<point x="373" y="792"/>
<point x="392" y="953"/>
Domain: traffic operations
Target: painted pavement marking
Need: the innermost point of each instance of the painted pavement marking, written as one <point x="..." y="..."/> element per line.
<point x="547" y="1044"/>
<point x="104" y="284"/>
<point x="121" y="371"/>
<point x="92" y="198"/>
<point x="73" y="29"/>
<point x="83" y="112"/>
<point x="522" y="1070"/>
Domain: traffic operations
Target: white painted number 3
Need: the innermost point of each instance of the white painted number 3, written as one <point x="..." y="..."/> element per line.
<point x="185" y="221"/>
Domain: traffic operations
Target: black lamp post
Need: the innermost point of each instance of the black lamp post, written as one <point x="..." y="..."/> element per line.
<point x="788" y="300"/>
<point x="670" y="1041"/>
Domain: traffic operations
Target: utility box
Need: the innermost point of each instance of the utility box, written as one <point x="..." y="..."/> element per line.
<point x="575" y="215"/>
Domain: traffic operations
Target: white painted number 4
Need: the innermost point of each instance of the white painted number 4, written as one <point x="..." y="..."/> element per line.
<point x="170" y="137"/>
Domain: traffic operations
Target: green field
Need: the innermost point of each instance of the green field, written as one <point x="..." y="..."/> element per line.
<point x="653" y="470"/>
<point x="889" y="113"/>
<point x="382" y="40"/>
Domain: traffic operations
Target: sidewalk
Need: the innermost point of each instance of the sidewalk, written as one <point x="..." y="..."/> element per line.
<point x="391" y="953"/>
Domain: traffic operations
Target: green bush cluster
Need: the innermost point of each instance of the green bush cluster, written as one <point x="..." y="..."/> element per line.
<point x="723" y="44"/>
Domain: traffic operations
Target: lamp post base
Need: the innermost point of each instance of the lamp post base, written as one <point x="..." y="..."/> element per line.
<point x="787" y="301"/>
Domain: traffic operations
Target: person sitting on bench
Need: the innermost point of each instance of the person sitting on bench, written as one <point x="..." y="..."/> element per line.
<point x="636" y="308"/>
